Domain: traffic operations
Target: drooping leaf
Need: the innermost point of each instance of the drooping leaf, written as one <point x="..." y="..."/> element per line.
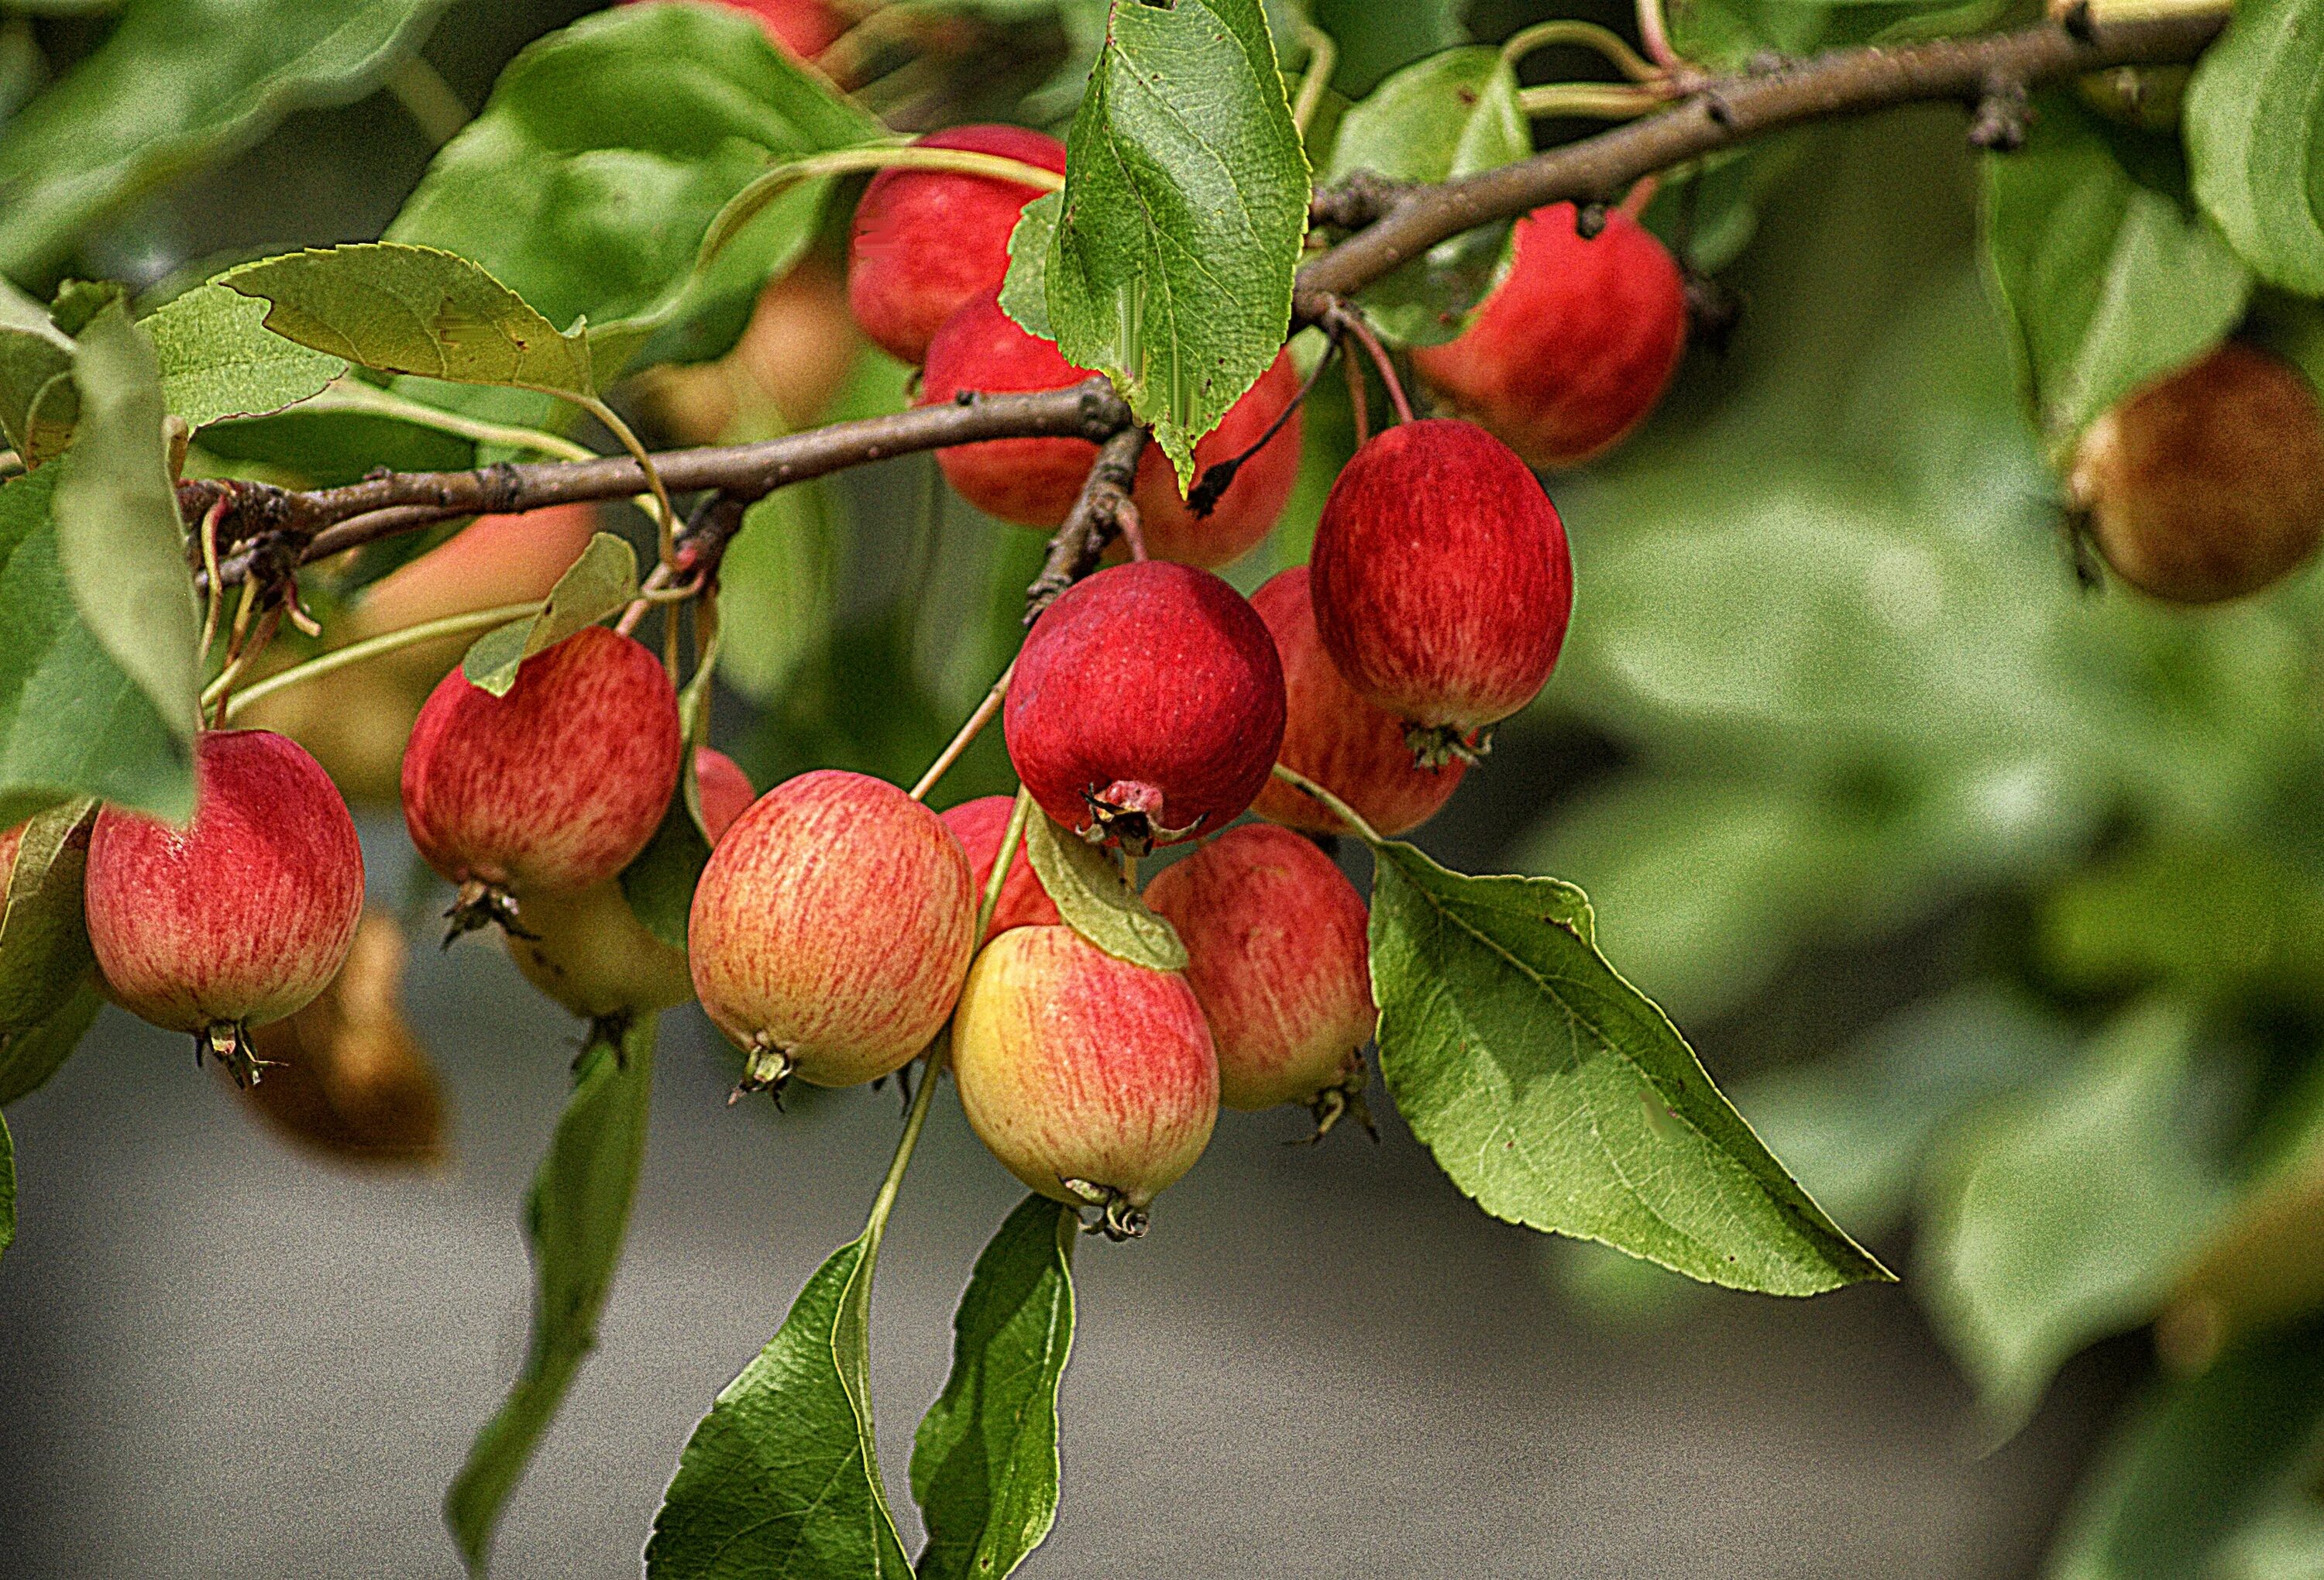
<point x="117" y="532"/>
<point x="2254" y="126"/>
<point x="219" y="358"/>
<point x="38" y="401"/>
<point x="1449" y="116"/>
<point x="2201" y="1458"/>
<point x="1185" y="201"/>
<point x="659" y="884"/>
<point x="1096" y="902"/>
<point x="2107" y="282"/>
<point x="406" y="309"/>
<point x="1558" y="1096"/>
<point x="30" y="1054"/>
<point x="604" y="580"/>
<point x="44" y="949"/>
<point x="984" y="1462"/>
<point x="576" y="1217"/>
<point x="2061" y="1215"/>
<point x="782" y="1478"/>
<point x="178" y="84"/>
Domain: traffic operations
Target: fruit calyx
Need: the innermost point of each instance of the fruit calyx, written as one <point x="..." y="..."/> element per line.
<point x="1117" y="1219"/>
<point x="1335" y="1103"/>
<point x="478" y="905"/>
<point x="1435" y="745"/>
<point x="228" y="1043"/>
<point x="1128" y="813"/>
<point x="766" y="1068"/>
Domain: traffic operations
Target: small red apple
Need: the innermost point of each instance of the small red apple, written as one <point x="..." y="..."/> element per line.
<point x="1277" y="952"/>
<point x="979" y="825"/>
<point x="552" y="788"/>
<point x="1146" y="707"/>
<point x="241" y="917"/>
<point x="1573" y="347"/>
<point x="1442" y="582"/>
<point x="830" y="929"/>
<point x="1335" y="738"/>
<point x="2207" y="483"/>
<point x="1253" y="503"/>
<point x="1092" y="1080"/>
<point x="800" y="28"/>
<point x="925" y="242"/>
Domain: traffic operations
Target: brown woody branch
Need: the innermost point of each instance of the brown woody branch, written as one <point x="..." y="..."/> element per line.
<point x="274" y="529"/>
<point x="1103" y="513"/>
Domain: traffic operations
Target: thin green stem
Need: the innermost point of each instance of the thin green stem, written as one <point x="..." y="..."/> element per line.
<point x="1011" y="838"/>
<point x="747" y="203"/>
<point x="1338" y="808"/>
<point x="666" y="518"/>
<point x="875" y="1224"/>
<point x="1655" y="34"/>
<point x="353" y="395"/>
<point x="1589" y="35"/>
<point x="1603" y="101"/>
<point x="968" y="733"/>
<point x="337" y="658"/>
<point x="428" y="99"/>
<point x="1323" y="55"/>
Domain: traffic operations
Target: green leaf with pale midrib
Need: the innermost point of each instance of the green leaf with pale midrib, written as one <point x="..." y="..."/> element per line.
<point x="576" y="1217"/>
<point x="1619" y="1136"/>
<point x="605" y="579"/>
<point x="2254" y="124"/>
<point x="1185" y="201"/>
<point x="984" y="1462"/>
<point x="219" y="358"/>
<point x="1095" y="901"/>
<point x="30" y="1054"/>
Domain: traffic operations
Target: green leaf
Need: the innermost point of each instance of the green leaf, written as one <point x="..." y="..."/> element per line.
<point x="1185" y="201"/>
<point x="1449" y="116"/>
<point x="659" y="884"/>
<point x="2199" y="1458"/>
<point x="38" y="402"/>
<point x="1374" y="40"/>
<point x="405" y="309"/>
<point x="30" y="1054"/>
<point x="781" y="1477"/>
<point x="330" y="447"/>
<point x="2106" y="282"/>
<point x="1558" y="1096"/>
<point x="984" y="1462"/>
<point x="179" y="83"/>
<point x="576" y="1217"/>
<point x="44" y="949"/>
<point x="1025" y="289"/>
<point x="118" y="535"/>
<point x="602" y="582"/>
<point x="1095" y="900"/>
<point x="2254" y="127"/>
<point x="2061" y="1215"/>
<point x="219" y="358"/>
<point x="607" y="149"/>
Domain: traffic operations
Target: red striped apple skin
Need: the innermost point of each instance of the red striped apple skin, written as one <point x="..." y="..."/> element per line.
<point x="1441" y="578"/>
<point x="924" y="242"/>
<point x="1034" y="483"/>
<point x="555" y="786"/>
<point x="245" y="915"/>
<point x="1574" y="348"/>
<point x="1074" y="1065"/>
<point x="1278" y="955"/>
<point x="1333" y="736"/>
<point x="832" y="926"/>
<point x="978" y="825"/>
<point x="1149" y="686"/>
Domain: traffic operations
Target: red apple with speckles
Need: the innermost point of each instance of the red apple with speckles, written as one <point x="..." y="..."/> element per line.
<point x="552" y="788"/>
<point x="1034" y="483"/>
<point x="242" y="916"/>
<point x="588" y="951"/>
<point x="1576" y="344"/>
<point x="1146" y="707"/>
<point x="1277" y="954"/>
<point x="1442" y="582"/>
<point x="979" y="825"/>
<point x="830" y="929"/>
<point x="927" y="242"/>
<point x="2207" y="483"/>
<point x="1092" y="1080"/>
<point x="1333" y="736"/>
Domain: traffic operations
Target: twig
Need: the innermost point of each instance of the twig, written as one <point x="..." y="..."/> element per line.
<point x="968" y="733"/>
<point x="1098" y="516"/>
<point x="1220" y="475"/>
<point x="1342" y="318"/>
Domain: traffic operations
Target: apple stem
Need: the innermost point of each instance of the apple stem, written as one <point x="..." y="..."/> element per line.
<point x="1219" y="477"/>
<point x="1323" y="55"/>
<point x="1331" y="804"/>
<point x="1589" y="35"/>
<point x="337" y="658"/>
<point x="1352" y="319"/>
<point x="210" y="520"/>
<point x="969" y="731"/>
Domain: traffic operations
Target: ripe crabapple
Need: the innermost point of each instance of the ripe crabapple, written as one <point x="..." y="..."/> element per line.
<point x="1573" y="347"/>
<point x="1034" y="483"/>
<point x="1146" y="707"/>
<point x="927" y="242"/>
<point x="588" y="951"/>
<point x="980" y="826"/>
<point x="1335" y="738"/>
<point x="1442" y="582"/>
<point x="1092" y="1080"/>
<point x="830" y="929"/>
<point x="242" y="916"/>
<point x="551" y="788"/>
<point x="1277" y="952"/>
<point x="802" y="29"/>
<point x="2207" y="483"/>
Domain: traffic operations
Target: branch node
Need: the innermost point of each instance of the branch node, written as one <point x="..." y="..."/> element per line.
<point x="1098" y="517"/>
<point x="502" y="486"/>
<point x="2079" y="25"/>
<point x="1356" y="201"/>
<point x="1589" y="220"/>
<point x="1721" y="112"/>
<point x="2004" y="114"/>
